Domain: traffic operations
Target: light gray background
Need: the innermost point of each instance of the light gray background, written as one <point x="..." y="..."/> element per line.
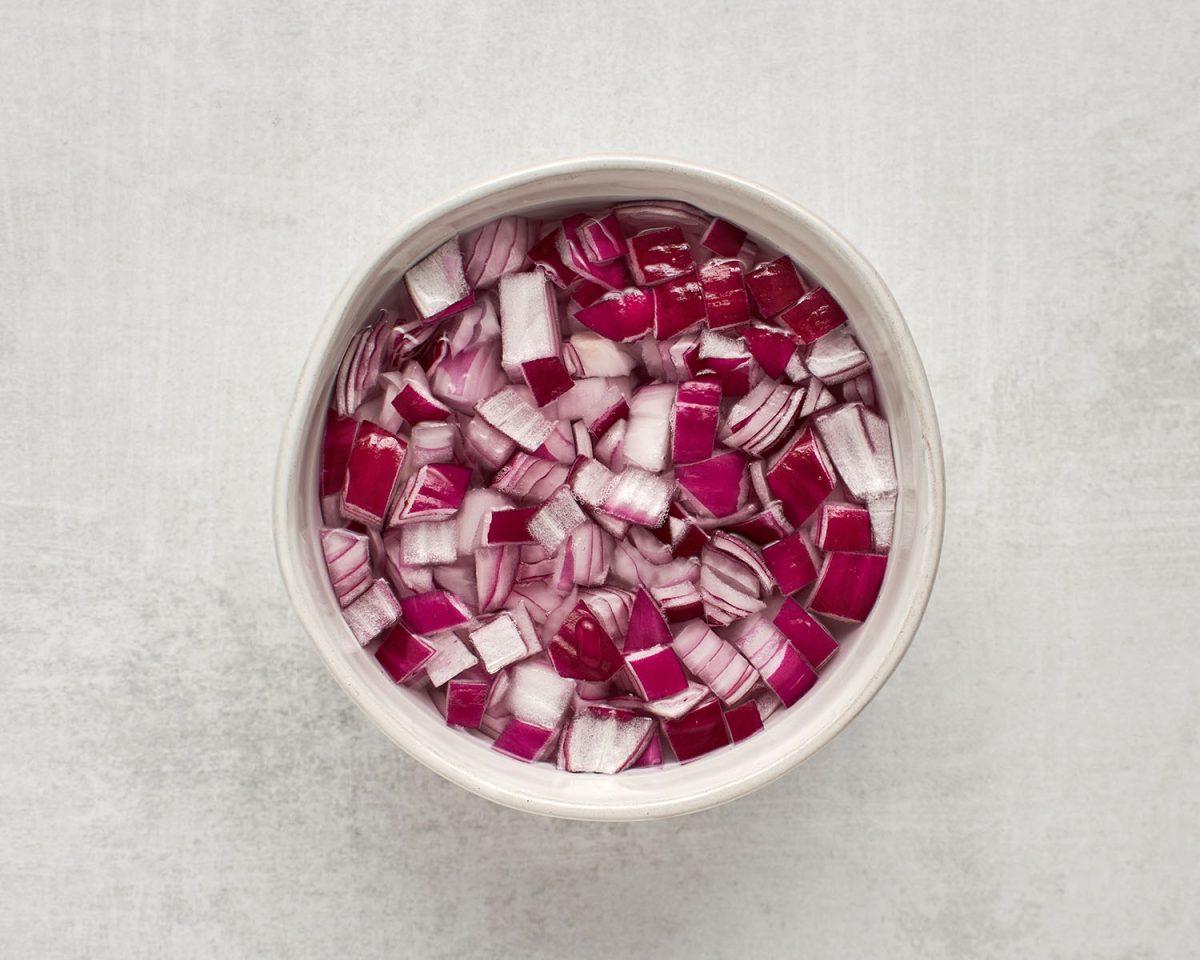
<point x="184" y="187"/>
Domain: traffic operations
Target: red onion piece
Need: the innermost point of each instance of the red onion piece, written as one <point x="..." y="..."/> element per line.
<point x="809" y="637"/>
<point x="743" y="721"/>
<point x="848" y="585"/>
<point x="495" y="249"/>
<point x="723" y="238"/>
<point x="771" y="347"/>
<point x="581" y="648"/>
<point x="336" y="445"/>
<point x="843" y="526"/>
<point x="545" y="254"/>
<point x="715" y="662"/>
<point x="372" y="472"/>
<point x="372" y="612"/>
<point x="801" y="476"/>
<point x="600" y="739"/>
<point x="437" y="285"/>
<point x="696" y="416"/>
<point x="402" y="655"/>
<point x="678" y="306"/>
<point x="498" y="642"/>
<point x="699" y="732"/>
<point x="348" y="559"/>
<point x="656" y="672"/>
<point x="792" y="562"/>
<point x="525" y="741"/>
<point x="639" y="496"/>
<point x="537" y="694"/>
<point x="647" y="625"/>
<point x="836" y="358"/>
<point x="609" y="275"/>
<point x="589" y="354"/>
<point x="466" y="701"/>
<point x="774" y="286"/>
<point x="648" y="431"/>
<point x="714" y="486"/>
<point x="556" y="519"/>
<point x="434" y="492"/>
<point x="602" y="238"/>
<point x="765" y="527"/>
<point x="652" y="756"/>
<point x="619" y="315"/>
<point x="527" y="477"/>
<point x="658" y="255"/>
<point x="433" y="612"/>
<point x="813" y="315"/>
<point x="726" y="302"/>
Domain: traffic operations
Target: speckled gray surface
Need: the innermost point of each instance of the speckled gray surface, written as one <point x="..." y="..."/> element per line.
<point x="183" y="188"/>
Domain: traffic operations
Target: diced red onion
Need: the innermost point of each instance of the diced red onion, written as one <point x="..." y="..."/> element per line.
<point x="724" y="288"/>
<point x="510" y="413"/>
<point x="433" y="612"/>
<point x="678" y="306"/>
<point x="601" y="739"/>
<point x="495" y="573"/>
<point x="647" y="625"/>
<point x="696" y="416"/>
<point x="348" y="559"/>
<point x="495" y="249"/>
<point x="771" y="347"/>
<point x="801" y="476"/>
<point x="545" y="254"/>
<point x="848" y="585"/>
<point x="814" y="315"/>
<point x="715" y="662"/>
<point x="527" y="477"/>
<point x="743" y="721"/>
<point x="525" y="741"/>
<point x="537" y="694"/>
<point x="774" y="286"/>
<point x="602" y="238"/>
<point x="375" y="609"/>
<point x="843" y="526"/>
<point x="836" y="358"/>
<point x="656" y="672"/>
<point x="372" y="472"/>
<point x="714" y="486"/>
<point x="434" y="492"/>
<point x="402" y="655"/>
<point x="639" y="497"/>
<point x="429" y="543"/>
<point x="860" y="445"/>
<point x="619" y="315"/>
<point x="611" y="275"/>
<point x="555" y="520"/>
<point x="360" y="367"/>
<point x="336" y="445"/>
<point x="792" y="562"/>
<point x="765" y="527"/>
<point x="723" y="238"/>
<point x="699" y="732"/>
<point x="781" y="666"/>
<point x="437" y="285"/>
<point x="814" y="642"/>
<point x="498" y="642"/>
<point x="581" y="648"/>
<point x="464" y="379"/>
<point x="659" y="255"/>
<point x="589" y="354"/>
<point x="466" y="702"/>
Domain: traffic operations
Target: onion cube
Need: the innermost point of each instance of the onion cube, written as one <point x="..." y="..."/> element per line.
<point x="507" y="525"/>
<point x="525" y="741"/>
<point x="714" y="662"/>
<point x="723" y="238"/>
<point x="433" y="612"/>
<point x="813" y="315"/>
<point x="372" y="613"/>
<point x="836" y="358"/>
<point x="429" y="543"/>
<point x="792" y="562"/>
<point x="774" y="286"/>
<point x="438" y="285"/>
<point x="451" y="657"/>
<point x="602" y="239"/>
<point x="600" y="739"/>
<point x="537" y="694"/>
<point x="715" y="485"/>
<point x="678" y="305"/>
<point x="848" y="585"/>
<point x="336" y="445"/>
<point x="699" y="732"/>
<point x="658" y="255"/>
<point x="348" y="559"/>
<point x="743" y="721"/>
<point x="371" y="473"/>
<point x="581" y="648"/>
<point x="554" y="522"/>
<point x="804" y="633"/>
<point x="696" y="417"/>
<point x="843" y="526"/>
<point x="639" y="496"/>
<point x="498" y="643"/>
<point x="801" y="476"/>
<point x="656" y="672"/>
<point x="466" y="702"/>
<point x="402" y="654"/>
<point x="515" y="417"/>
<point x="723" y="284"/>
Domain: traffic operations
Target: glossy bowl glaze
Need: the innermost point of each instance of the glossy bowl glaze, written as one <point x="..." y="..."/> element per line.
<point x="869" y="652"/>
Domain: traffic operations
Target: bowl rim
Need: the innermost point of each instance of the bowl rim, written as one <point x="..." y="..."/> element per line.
<point x="928" y="544"/>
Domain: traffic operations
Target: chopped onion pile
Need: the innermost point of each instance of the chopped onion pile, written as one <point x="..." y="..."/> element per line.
<point x="603" y="487"/>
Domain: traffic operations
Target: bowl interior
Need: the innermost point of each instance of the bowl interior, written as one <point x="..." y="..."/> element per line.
<point x="869" y="652"/>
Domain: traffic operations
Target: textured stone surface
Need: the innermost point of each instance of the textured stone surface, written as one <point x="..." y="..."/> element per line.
<point x="183" y="188"/>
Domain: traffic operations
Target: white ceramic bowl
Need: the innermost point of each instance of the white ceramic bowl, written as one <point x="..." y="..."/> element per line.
<point x="868" y="655"/>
